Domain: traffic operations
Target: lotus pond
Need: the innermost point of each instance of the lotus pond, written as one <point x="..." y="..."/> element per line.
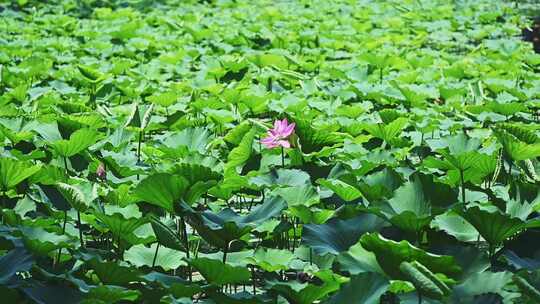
<point x="265" y="151"/>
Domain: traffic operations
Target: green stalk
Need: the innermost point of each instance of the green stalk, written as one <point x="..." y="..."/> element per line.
<point x="155" y="256"/>
<point x="253" y="281"/>
<point x="293" y="222"/>
<point x="225" y="250"/>
<point x="80" y="228"/>
<point x="186" y="244"/>
<point x="462" y="186"/>
<point x="63" y="232"/>
<point x="65" y="165"/>
<point x="139" y="151"/>
<point x="282" y="157"/>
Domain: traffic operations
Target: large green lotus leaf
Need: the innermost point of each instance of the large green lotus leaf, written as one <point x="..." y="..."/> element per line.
<point x="120" y="226"/>
<point x="523" y="133"/>
<point x="139" y="116"/>
<point x="411" y="222"/>
<point x="440" y="195"/>
<point x="506" y="109"/>
<point x="495" y="227"/>
<point x="80" y="195"/>
<point x="485" y="164"/>
<point x="168" y="259"/>
<point x="218" y="273"/>
<point x="114" y="274"/>
<point x="112" y="294"/>
<point x="435" y="163"/>
<point x="162" y="189"/>
<point x="236" y="135"/>
<point x="15" y="261"/>
<point x="270" y="60"/>
<point x="377" y="59"/>
<point x="483" y="283"/>
<point x="456" y="226"/>
<point x="528" y="284"/>
<point x="282" y="177"/>
<point x="305" y="195"/>
<point x="13" y="172"/>
<point x="458" y="151"/>
<point x="16" y="137"/>
<point x="237" y="298"/>
<point x="55" y="197"/>
<point x="515" y="148"/>
<point x="410" y="197"/>
<point x="197" y="190"/>
<point x="165" y="235"/>
<point x="338" y="235"/>
<point x="314" y="140"/>
<point x="121" y="164"/>
<point x="49" y="175"/>
<point x="219" y="116"/>
<point x="344" y="190"/>
<point x="128" y="211"/>
<point x="225" y="226"/>
<point x="462" y="161"/>
<point x="415" y="95"/>
<point x="387" y="132"/>
<point x="461" y="144"/>
<point x="194" y="139"/>
<point x="50" y="292"/>
<point x="365" y="288"/>
<point x="391" y="254"/>
<point x="411" y="205"/>
<point x="41" y="242"/>
<point x="77" y="142"/>
<point x="119" y="138"/>
<point x="305" y="293"/>
<point x="241" y="153"/>
<point x="90" y="73"/>
<point x="311" y="214"/>
<point x="194" y="173"/>
<point x="165" y="99"/>
<point x="270" y="259"/>
<point x="180" y="290"/>
<point x="381" y="184"/>
<point x="164" y="280"/>
<point x="358" y="260"/>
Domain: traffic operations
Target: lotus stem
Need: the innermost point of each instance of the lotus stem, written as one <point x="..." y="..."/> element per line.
<point x="293" y="222"/>
<point x="139" y="151"/>
<point x="462" y="186"/>
<point x="63" y="232"/>
<point x="120" y="253"/>
<point x="80" y="228"/>
<point x="282" y="157"/>
<point x="253" y="280"/>
<point x="66" y="165"/>
<point x="155" y="256"/>
<point x="186" y="244"/>
<point x="225" y="250"/>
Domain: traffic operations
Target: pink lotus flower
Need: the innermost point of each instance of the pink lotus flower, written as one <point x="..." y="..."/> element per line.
<point x="279" y="135"/>
<point x="100" y="171"/>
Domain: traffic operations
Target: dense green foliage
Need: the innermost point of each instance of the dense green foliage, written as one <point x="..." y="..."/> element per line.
<point x="131" y="167"/>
